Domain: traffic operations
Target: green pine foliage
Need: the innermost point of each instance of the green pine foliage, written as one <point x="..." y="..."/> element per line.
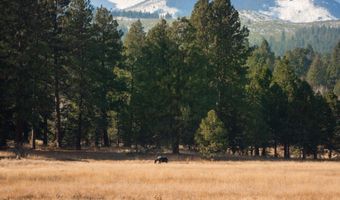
<point x="317" y="73"/>
<point x="300" y="59"/>
<point x="211" y="136"/>
<point x="322" y="38"/>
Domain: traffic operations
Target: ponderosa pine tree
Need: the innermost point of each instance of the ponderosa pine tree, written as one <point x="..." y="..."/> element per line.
<point x="324" y="122"/>
<point x="8" y="20"/>
<point x="284" y="76"/>
<point x="41" y="72"/>
<point x="192" y="80"/>
<point x="317" y="73"/>
<point x="58" y="45"/>
<point x="78" y="37"/>
<point x="332" y="141"/>
<point x="278" y="114"/>
<point x="227" y="53"/>
<point x="261" y="57"/>
<point x="200" y="17"/>
<point x="20" y="84"/>
<point x="168" y="61"/>
<point x="25" y="64"/>
<point x="333" y="70"/>
<point x="107" y="54"/>
<point x="303" y="126"/>
<point x="134" y="43"/>
<point x="152" y="84"/>
<point x="258" y="92"/>
<point x="300" y="59"/>
<point x="184" y="73"/>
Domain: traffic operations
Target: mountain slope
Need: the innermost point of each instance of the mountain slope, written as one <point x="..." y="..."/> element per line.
<point x="297" y="11"/>
<point x="173" y="7"/>
<point x="303" y="10"/>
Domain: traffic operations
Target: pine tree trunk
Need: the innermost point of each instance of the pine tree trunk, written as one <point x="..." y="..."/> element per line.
<point x="275" y="149"/>
<point x="57" y="104"/>
<point x="80" y="121"/>
<point x="80" y="126"/>
<point x="104" y="128"/>
<point x="264" y="153"/>
<point x="175" y="137"/>
<point x="33" y="137"/>
<point x="26" y="135"/>
<point x="315" y="154"/>
<point x="257" y="151"/>
<point x="106" y="138"/>
<point x="18" y="132"/>
<point x="97" y="136"/>
<point x="175" y="146"/>
<point x="3" y="142"/>
<point x="304" y="153"/>
<point x="286" y="151"/>
<point x="45" y="140"/>
<point x="58" y="131"/>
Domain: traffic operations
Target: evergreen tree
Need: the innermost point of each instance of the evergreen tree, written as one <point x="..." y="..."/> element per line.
<point x="306" y="131"/>
<point x="200" y="20"/>
<point x="187" y="63"/>
<point x="332" y="141"/>
<point x="336" y="59"/>
<point x="78" y="36"/>
<point x="211" y="136"/>
<point x="153" y="85"/>
<point x="284" y="76"/>
<point x="134" y="43"/>
<point x="324" y="122"/>
<point x="316" y="73"/>
<point x="278" y="115"/>
<point x="258" y="91"/>
<point x="333" y="70"/>
<point x="261" y="57"/>
<point x="25" y="71"/>
<point x="300" y="60"/>
<point x="227" y="52"/>
<point x="164" y="76"/>
<point x="107" y="54"/>
<point x="59" y="52"/>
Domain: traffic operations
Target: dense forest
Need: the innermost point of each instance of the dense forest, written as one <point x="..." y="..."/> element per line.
<point x="322" y="38"/>
<point x="67" y="78"/>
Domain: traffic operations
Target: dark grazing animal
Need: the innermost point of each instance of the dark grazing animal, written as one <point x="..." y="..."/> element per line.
<point x="161" y="159"/>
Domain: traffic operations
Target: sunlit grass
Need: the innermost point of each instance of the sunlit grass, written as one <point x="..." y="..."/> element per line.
<point x="38" y="179"/>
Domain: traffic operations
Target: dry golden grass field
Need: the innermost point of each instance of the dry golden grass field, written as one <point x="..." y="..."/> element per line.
<point x="43" y="178"/>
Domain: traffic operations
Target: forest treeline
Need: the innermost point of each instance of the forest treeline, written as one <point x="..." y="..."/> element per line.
<point x="138" y="15"/>
<point x="68" y="79"/>
<point x="322" y="38"/>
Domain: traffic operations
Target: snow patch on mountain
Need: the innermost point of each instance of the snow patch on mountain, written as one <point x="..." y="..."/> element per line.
<point x="255" y="16"/>
<point x="151" y="6"/>
<point x="299" y="11"/>
<point x="123" y="4"/>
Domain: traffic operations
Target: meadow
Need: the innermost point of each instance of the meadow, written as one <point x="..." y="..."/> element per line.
<point x="41" y="178"/>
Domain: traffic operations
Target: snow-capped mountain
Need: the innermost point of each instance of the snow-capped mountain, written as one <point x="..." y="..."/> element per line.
<point x="293" y="10"/>
<point x="288" y="10"/>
